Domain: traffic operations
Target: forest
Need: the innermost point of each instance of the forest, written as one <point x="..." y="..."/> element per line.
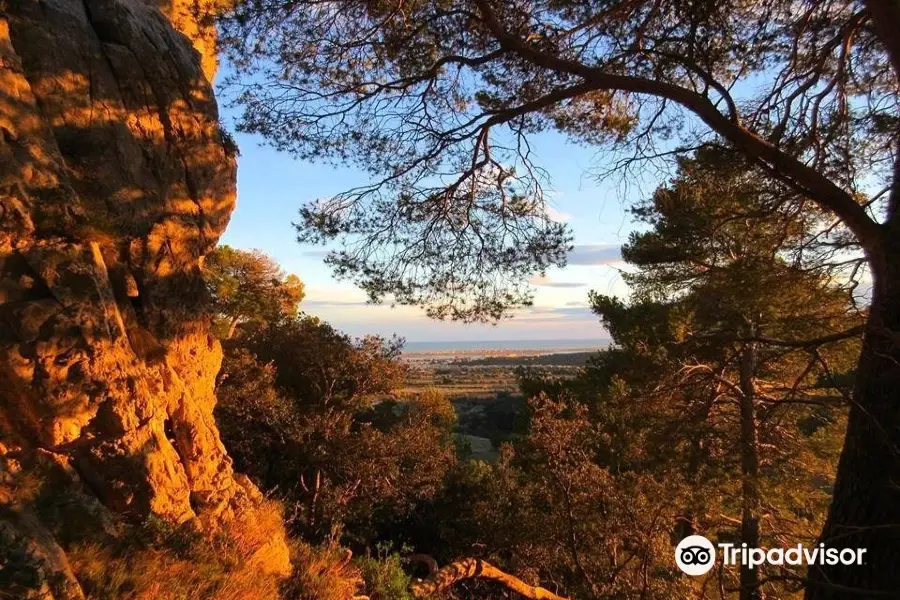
<point x="177" y="423"/>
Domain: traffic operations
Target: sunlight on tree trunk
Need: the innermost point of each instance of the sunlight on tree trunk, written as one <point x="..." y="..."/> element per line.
<point x="232" y="327"/>
<point x="445" y="578"/>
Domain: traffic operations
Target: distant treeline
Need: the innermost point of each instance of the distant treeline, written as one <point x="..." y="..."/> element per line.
<point x="575" y="359"/>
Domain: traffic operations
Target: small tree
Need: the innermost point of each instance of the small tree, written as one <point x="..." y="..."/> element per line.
<point x="249" y="288"/>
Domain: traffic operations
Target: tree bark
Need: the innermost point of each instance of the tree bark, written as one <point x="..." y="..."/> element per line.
<point x="467" y="568"/>
<point x="750" y="496"/>
<point x="865" y="509"/>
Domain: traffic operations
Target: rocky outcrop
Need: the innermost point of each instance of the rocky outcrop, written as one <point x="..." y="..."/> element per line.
<point x="115" y="181"/>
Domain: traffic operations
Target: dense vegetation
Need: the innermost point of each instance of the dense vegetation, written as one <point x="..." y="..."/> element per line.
<point x="718" y="409"/>
<point x="438" y="100"/>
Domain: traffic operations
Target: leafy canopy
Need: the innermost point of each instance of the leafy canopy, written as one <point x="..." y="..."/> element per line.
<point x="249" y="288"/>
<point x="729" y="260"/>
<point x="324" y="368"/>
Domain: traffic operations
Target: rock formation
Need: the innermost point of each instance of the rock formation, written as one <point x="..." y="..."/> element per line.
<point x="115" y="181"/>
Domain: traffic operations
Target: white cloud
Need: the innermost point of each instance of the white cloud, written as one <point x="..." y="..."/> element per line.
<point x="315" y="253"/>
<point x="595" y="254"/>
<point x="544" y="281"/>
<point x="333" y="303"/>
<point x="557" y="215"/>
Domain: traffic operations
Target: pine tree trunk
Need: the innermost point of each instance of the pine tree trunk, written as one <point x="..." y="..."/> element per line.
<point x="749" y="471"/>
<point x="232" y="327"/>
<point x="865" y="509"/>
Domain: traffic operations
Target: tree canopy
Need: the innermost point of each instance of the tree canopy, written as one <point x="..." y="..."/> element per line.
<point x="306" y="412"/>
<point x="249" y="287"/>
<point x="720" y="382"/>
<point x="324" y="367"/>
<point x="438" y="100"/>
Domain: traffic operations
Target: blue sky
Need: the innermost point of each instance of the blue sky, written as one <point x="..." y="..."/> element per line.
<point x="272" y="186"/>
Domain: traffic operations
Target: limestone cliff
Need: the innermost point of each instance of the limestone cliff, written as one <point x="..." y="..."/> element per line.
<point x="115" y="181"/>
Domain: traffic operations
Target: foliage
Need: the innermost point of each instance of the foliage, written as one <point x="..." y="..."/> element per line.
<point x="439" y="100"/>
<point x="385" y="577"/>
<point x="322" y="368"/>
<point x="550" y="513"/>
<point x="156" y="559"/>
<point x="255" y="421"/>
<point x="249" y="289"/>
<point x="590" y="531"/>
<point x="328" y="573"/>
<point x="309" y="427"/>
<point x="645" y="445"/>
<point x="322" y="573"/>
<point x="723" y="358"/>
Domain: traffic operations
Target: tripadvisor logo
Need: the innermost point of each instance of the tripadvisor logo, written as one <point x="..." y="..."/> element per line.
<point x="696" y="555"/>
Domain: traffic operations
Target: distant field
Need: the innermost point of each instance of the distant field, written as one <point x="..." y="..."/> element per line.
<point x="560" y="359"/>
<point x="456" y="381"/>
<point x="484" y="389"/>
<point x="483" y="377"/>
<point x="485" y="347"/>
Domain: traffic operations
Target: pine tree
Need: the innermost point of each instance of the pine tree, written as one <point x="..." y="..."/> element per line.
<point x="732" y="330"/>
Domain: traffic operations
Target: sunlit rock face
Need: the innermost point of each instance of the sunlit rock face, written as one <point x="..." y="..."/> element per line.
<point x="115" y="181"/>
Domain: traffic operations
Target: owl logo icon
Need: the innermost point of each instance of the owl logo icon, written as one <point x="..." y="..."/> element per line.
<point x="695" y="555"/>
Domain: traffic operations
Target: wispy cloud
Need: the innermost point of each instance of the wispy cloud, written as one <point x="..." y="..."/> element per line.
<point x="537" y="314"/>
<point x="557" y="215"/>
<point x="315" y="253"/>
<point x="333" y="303"/>
<point x="544" y="281"/>
<point x="595" y="254"/>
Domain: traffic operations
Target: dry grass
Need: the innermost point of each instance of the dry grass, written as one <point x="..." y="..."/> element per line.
<point x="322" y="574"/>
<point x="159" y="561"/>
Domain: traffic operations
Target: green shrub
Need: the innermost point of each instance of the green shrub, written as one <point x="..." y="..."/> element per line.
<point x="321" y="573"/>
<point x="385" y="577"/>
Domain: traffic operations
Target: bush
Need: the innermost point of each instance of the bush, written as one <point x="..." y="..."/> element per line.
<point x="384" y="576"/>
<point x="297" y="412"/>
<point x="323" y="573"/>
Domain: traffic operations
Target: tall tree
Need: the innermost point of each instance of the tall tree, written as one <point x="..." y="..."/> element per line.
<point x="741" y="330"/>
<point x="437" y="99"/>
